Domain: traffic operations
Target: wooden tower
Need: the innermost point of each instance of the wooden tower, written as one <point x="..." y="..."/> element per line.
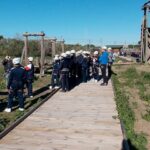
<point x="145" y="34"/>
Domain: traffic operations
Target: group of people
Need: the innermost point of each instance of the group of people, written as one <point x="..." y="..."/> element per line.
<point x="72" y="68"/>
<point x="17" y="77"/>
<point x="68" y="70"/>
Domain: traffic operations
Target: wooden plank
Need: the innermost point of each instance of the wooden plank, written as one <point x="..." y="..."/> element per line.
<point x="81" y="119"/>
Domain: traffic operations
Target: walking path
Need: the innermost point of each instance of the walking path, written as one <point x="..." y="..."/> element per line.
<point x="82" y="119"/>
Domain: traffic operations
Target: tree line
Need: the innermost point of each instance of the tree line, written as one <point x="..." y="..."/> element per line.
<point x="14" y="47"/>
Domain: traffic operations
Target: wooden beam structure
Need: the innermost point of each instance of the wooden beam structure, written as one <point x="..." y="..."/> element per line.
<point x="42" y="57"/>
<point x="25" y="49"/>
<point x="53" y="42"/>
<point x="62" y="45"/>
<point x="145" y="34"/>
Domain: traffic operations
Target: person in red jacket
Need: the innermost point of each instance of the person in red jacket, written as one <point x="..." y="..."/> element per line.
<point x="30" y="76"/>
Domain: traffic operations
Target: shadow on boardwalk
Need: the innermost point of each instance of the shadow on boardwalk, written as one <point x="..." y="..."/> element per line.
<point x="127" y="145"/>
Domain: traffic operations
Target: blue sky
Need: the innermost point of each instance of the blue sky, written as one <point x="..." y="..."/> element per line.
<point x="77" y="21"/>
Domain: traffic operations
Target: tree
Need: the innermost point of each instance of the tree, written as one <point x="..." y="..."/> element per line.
<point x="1" y="37"/>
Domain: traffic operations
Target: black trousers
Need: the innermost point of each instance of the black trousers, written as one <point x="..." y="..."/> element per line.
<point x="103" y="68"/>
<point x="65" y="80"/>
<point x="19" y="94"/>
<point x="109" y="70"/>
<point x="29" y="87"/>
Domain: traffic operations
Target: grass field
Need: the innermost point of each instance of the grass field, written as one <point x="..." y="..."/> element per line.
<point x="132" y="95"/>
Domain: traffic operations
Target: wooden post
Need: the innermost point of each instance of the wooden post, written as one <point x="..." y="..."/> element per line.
<point x="22" y="55"/>
<point x="42" y="57"/>
<point x="62" y="46"/>
<point x="53" y="47"/>
<point x="26" y="49"/>
<point x="144" y="37"/>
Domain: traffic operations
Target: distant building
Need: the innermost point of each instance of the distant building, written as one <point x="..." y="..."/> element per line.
<point x="115" y="48"/>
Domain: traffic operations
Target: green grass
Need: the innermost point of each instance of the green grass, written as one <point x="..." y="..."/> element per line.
<point x="3" y="122"/>
<point x="2" y="81"/>
<point x="134" y="105"/>
<point x="146" y="116"/>
<point x="126" y="114"/>
<point x="118" y="59"/>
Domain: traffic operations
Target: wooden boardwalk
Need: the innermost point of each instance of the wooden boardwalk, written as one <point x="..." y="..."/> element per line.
<point x="82" y="119"/>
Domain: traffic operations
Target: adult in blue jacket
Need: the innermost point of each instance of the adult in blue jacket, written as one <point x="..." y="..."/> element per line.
<point x="103" y="60"/>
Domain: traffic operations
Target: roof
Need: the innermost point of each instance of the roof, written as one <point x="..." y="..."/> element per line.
<point x="115" y="46"/>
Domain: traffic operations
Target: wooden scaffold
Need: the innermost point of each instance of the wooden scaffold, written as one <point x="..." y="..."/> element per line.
<point x="25" y="49"/>
<point x="62" y="43"/>
<point x="145" y="34"/>
<point x="53" y="42"/>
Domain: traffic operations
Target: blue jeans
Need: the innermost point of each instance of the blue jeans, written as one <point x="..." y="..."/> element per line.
<point x="65" y="81"/>
<point x="84" y="74"/>
<point x="53" y="83"/>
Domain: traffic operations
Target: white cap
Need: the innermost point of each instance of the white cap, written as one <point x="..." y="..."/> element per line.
<point x="96" y="53"/>
<point x="109" y="48"/>
<point x="68" y="53"/>
<point x="88" y="52"/>
<point x="104" y="47"/>
<point x="78" y="52"/>
<point x="84" y="52"/>
<point x="30" y="58"/>
<point x="6" y="57"/>
<point x="81" y="51"/>
<point x="60" y="57"/>
<point x="56" y="58"/>
<point x="64" y="55"/>
<point x="16" y="61"/>
<point x="73" y="51"/>
<point x="56" y="55"/>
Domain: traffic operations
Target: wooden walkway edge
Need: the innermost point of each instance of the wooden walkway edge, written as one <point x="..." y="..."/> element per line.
<point x="82" y="119"/>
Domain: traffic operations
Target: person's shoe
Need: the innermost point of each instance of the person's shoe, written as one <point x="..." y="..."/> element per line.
<point x="8" y="110"/>
<point x="62" y="91"/>
<point x="50" y="87"/>
<point x="56" y="87"/>
<point x="21" y="109"/>
<point x="103" y="84"/>
<point x="67" y="90"/>
<point x="95" y="81"/>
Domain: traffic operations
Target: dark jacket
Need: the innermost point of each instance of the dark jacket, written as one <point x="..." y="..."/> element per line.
<point x="17" y="78"/>
<point x="84" y="63"/>
<point x="65" y="64"/>
<point x="56" y="67"/>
